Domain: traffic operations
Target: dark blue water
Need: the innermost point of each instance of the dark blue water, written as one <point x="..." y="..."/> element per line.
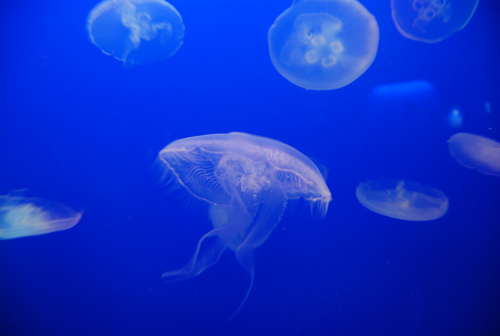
<point x="79" y="128"/>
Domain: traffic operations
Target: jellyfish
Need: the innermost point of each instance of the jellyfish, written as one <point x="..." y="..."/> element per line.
<point x="404" y="200"/>
<point x="246" y="180"/>
<point x="431" y="20"/>
<point x="323" y="44"/>
<point x="476" y="152"/>
<point x="23" y="217"/>
<point x="136" y="31"/>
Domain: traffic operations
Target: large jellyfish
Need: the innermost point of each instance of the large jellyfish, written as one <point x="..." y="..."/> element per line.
<point x="431" y="20"/>
<point x="323" y="44"/>
<point x="22" y="217"/>
<point x="136" y="31"/>
<point x="476" y="152"/>
<point x="246" y="180"/>
<point x="404" y="200"/>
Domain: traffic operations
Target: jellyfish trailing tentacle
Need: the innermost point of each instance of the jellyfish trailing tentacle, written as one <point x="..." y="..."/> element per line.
<point x="268" y="217"/>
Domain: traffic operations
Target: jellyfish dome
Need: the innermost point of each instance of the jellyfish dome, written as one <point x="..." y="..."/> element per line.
<point x="247" y="181"/>
<point x="323" y="44"/>
<point x="476" y="152"/>
<point x="136" y="31"/>
<point x="431" y="20"/>
<point x="22" y="217"/>
<point x="404" y="200"/>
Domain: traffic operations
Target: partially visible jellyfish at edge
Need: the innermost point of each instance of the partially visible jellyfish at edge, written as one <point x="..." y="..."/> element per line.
<point x="403" y="200"/>
<point x="431" y="21"/>
<point x="23" y="217"/>
<point x="136" y="31"/>
<point x="247" y="181"/>
<point x="476" y="152"/>
<point x="323" y="44"/>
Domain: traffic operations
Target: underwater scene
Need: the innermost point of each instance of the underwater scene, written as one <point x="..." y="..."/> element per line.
<point x="284" y="167"/>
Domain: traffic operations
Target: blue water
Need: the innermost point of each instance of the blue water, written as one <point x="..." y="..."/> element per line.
<point x="79" y="128"/>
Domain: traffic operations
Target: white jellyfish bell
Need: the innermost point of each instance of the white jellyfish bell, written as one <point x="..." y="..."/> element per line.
<point x="136" y="31"/>
<point x="323" y="44"/>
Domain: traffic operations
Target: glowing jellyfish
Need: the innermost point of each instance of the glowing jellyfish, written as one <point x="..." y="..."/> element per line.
<point x="136" y="31"/>
<point x="476" y="152"/>
<point x="323" y="44"/>
<point x="455" y="117"/>
<point x="246" y="180"/>
<point x="22" y="217"/>
<point x="431" y="20"/>
<point x="402" y="200"/>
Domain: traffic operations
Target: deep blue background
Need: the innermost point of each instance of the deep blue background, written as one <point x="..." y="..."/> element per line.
<point x="79" y="128"/>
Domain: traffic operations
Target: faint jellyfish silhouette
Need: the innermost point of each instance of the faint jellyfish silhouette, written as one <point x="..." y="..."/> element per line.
<point x="136" y="31"/>
<point x="404" y="200"/>
<point x="455" y="117"/>
<point x="323" y="44"/>
<point x="22" y="217"/>
<point x="246" y="180"/>
<point x="476" y="152"/>
<point x="431" y="20"/>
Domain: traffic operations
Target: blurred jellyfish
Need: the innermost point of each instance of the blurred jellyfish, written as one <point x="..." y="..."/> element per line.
<point x="136" y="31"/>
<point x="22" y="217"/>
<point x="404" y="200"/>
<point x="431" y="20"/>
<point x="487" y="107"/>
<point x="399" y="103"/>
<point x="455" y="117"/>
<point x="476" y="152"/>
<point x="246" y="180"/>
<point x="323" y="44"/>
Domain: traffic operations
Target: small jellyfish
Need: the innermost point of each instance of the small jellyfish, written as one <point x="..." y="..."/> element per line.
<point x="136" y="31"/>
<point x="246" y="180"/>
<point x="431" y="20"/>
<point x="404" y="200"/>
<point x="476" y="152"/>
<point x="22" y="217"/>
<point x="455" y="117"/>
<point x="323" y="44"/>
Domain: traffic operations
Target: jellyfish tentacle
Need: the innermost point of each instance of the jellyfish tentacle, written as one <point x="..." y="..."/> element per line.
<point x="199" y="263"/>
<point x="267" y="219"/>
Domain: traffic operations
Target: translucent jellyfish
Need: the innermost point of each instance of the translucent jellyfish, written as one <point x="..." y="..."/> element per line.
<point x="22" y="217"/>
<point x="323" y="44"/>
<point x="402" y="200"/>
<point x="431" y="20"/>
<point x="476" y="152"/>
<point x="136" y="31"/>
<point x="246" y="180"/>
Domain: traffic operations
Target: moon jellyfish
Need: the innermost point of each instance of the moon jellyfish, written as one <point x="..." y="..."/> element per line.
<point x="136" y="31"/>
<point x="246" y="180"/>
<point x="476" y="152"/>
<point x="402" y="200"/>
<point x="22" y="217"/>
<point x="431" y="20"/>
<point x="323" y="44"/>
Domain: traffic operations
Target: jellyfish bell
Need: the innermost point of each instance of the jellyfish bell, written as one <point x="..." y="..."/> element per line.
<point x="247" y="181"/>
<point x="403" y="200"/>
<point x="23" y="217"/>
<point x="431" y="20"/>
<point x="323" y="44"/>
<point x="476" y="152"/>
<point x="136" y="31"/>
